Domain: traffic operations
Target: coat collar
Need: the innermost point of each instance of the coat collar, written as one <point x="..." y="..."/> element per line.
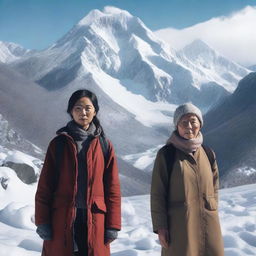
<point x="65" y="131"/>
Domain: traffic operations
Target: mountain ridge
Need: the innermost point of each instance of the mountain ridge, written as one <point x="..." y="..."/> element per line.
<point x="123" y="48"/>
<point x="229" y="130"/>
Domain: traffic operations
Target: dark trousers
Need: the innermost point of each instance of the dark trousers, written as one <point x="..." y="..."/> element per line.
<point x="80" y="232"/>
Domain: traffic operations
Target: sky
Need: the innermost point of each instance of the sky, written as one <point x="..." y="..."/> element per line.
<point x="36" y="24"/>
<point x="233" y="36"/>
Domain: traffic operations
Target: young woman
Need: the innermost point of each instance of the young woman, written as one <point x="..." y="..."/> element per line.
<point x="184" y="191"/>
<point x="78" y="200"/>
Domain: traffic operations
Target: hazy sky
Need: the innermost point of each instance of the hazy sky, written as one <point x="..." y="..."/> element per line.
<point x="36" y="24"/>
<point x="233" y="36"/>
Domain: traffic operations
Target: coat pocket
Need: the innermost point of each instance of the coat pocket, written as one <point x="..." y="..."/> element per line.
<point x="210" y="203"/>
<point x="99" y="205"/>
<point x="98" y="210"/>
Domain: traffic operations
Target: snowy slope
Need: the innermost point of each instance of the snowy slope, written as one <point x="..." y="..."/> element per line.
<point x="18" y="237"/>
<point x="10" y="52"/>
<point x="30" y="117"/>
<point x="144" y="160"/>
<point x="12" y="140"/>
<point x="29" y="111"/>
<point x="17" y="229"/>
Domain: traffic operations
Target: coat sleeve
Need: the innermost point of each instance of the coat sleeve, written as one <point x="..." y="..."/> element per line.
<point x="45" y="189"/>
<point x="215" y="173"/>
<point x="112" y="192"/>
<point x="159" y="193"/>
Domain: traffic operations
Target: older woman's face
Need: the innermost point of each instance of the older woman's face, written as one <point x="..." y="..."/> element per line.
<point x="189" y="126"/>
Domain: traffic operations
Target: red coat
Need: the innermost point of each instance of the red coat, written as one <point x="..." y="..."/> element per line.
<point x="57" y="205"/>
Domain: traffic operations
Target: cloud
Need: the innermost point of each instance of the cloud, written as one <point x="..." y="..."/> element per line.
<point x="233" y="36"/>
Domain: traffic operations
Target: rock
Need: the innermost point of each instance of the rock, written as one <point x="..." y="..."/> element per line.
<point x="25" y="172"/>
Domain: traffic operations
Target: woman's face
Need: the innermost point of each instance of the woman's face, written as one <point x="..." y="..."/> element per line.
<point x="189" y="126"/>
<point x="83" y="112"/>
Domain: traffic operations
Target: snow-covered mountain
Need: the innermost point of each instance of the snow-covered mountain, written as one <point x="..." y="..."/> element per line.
<point x="118" y="52"/>
<point x="215" y="66"/>
<point x="230" y="130"/>
<point x="12" y="140"/>
<point x="137" y="78"/>
<point x="26" y="106"/>
<point x="15" y="153"/>
<point x="10" y="52"/>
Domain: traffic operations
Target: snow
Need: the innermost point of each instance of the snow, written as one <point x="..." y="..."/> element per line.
<point x="115" y="10"/>
<point x="10" y="52"/>
<point x="130" y="63"/>
<point x="215" y="67"/>
<point x="18" y="215"/>
<point x="237" y="210"/>
<point x="238" y="219"/>
<point x="143" y="160"/>
<point x="9" y="136"/>
<point x="248" y="171"/>
<point x="11" y="187"/>
<point x="19" y="157"/>
<point x="94" y="14"/>
<point x="134" y="44"/>
<point x="144" y="110"/>
<point x="114" y="39"/>
<point x="108" y="11"/>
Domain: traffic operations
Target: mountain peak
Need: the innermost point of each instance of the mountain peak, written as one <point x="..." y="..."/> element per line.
<point x="115" y="11"/>
<point x="12" y="46"/>
<point x="108" y="11"/>
<point x="247" y="86"/>
<point x="197" y="47"/>
<point x="220" y="69"/>
<point x="88" y="19"/>
<point x="11" y="51"/>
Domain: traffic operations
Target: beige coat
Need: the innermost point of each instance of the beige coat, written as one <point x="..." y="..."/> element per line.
<point x="187" y="207"/>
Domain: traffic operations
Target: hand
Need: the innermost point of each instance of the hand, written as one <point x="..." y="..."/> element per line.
<point x="108" y="241"/>
<point x="44" y="231"/>
<point x="110" y="235"/>
<point x="164" y="238"/>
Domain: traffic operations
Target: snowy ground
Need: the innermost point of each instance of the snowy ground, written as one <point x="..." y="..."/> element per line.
<point x="18" y="237"/>
<point x="143" y="161"/>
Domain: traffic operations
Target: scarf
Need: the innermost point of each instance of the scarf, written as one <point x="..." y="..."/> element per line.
<point x="82" y="139"/>
<point x="185" y="145"/>
<point x="78" y="133"/>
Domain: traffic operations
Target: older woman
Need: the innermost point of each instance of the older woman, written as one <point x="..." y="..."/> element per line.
<point x="184" y="191"/>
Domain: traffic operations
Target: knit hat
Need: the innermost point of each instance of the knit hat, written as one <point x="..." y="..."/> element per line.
<point x="187" y="108"/>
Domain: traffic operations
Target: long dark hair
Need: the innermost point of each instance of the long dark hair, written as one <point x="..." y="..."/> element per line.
<point x="77" y="95"/>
